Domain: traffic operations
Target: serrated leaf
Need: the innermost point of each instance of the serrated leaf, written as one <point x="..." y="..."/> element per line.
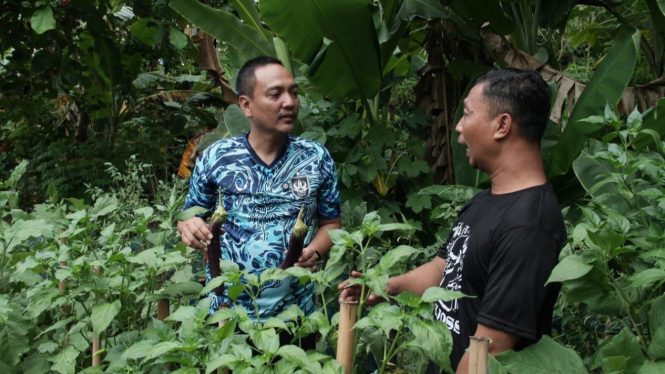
<point x="65" y="361"/>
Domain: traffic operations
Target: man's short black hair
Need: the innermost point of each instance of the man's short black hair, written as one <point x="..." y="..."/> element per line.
<point x="521" y="93"/>
<point x="246" y="80"/>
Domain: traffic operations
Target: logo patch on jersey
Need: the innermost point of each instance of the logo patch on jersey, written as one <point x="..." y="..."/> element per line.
<point x="300" y="186"/>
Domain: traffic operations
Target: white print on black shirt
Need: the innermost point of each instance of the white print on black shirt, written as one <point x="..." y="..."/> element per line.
<point x="452" y="276"/>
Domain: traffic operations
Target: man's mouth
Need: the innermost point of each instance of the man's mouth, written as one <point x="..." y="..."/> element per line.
<point x="289" y="117"/>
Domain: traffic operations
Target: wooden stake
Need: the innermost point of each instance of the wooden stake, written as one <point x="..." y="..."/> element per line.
<point x="163" y="305"/>
<point x="478" y="351"/>
<point x="346" y="335"/>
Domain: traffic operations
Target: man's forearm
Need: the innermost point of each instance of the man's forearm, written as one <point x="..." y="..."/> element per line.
<point x="321" y="241"/>
<point x="418" y="279"/>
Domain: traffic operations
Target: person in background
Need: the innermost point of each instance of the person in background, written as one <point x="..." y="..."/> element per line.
<point x="506" y="239"/>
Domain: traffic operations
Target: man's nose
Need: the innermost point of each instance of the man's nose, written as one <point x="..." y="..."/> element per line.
<point x="289" y="101"/>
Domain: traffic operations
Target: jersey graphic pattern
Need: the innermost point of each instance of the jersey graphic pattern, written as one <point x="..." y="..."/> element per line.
<point x="263" y="202"/>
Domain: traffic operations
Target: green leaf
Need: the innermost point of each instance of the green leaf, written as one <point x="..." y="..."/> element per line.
<point x="37" y="364"/>
<point x="266" y="340"/>
<point x="138" y="350"/>
<point x="657" y="314"/>
<point x="571" y="267"/>
<point x="162" y="348"/>
<point x="110" y="60"/>
<point x="494" y="366"/>
<point x="250" y="17"/>
<point x="490" y="11"/>
<point x="226" y="27"/>
<point x="418" y="202"/>
<point x="396" y="226"/>
<point x="434" y="294"/>
<point x="42" y="20"/>
<point x="184" y="313"/>
<point x="103" y="315"/>
<point x="396" y="256"/>
<point x="65" y="361"/>
<point x="147" y="31"/>
<point x="432" y="339"/>
<point x="607" y="84"/>
<point x="295" y="355"/>
<point x="647" y="277"/>
<point x="657" y="346"/>
<point x="13" y="341"/>
<point x="349" y="66"/>
<point x="23" y="230"/>
<point x="223" y="361"/>
<point x="103" y="206"/>
<point x="624" y="344"/>
<point x="182" y="289"/>
<point x="653" y="119"/>
<point x="652" y="368"/>
<point x="177" y="38"/>
<point x="191" y="212"/>
<point x="546" y="357"/>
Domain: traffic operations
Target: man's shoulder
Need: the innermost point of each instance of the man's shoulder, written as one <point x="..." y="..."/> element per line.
<point x="224" y="145"/>
<point x="308" y="145"/>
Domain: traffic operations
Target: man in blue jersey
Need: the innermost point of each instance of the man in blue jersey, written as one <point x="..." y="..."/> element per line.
<point x="265" y="177"/>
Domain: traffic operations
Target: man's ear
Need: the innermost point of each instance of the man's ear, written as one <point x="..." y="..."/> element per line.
<point x="245" y="104"/>
<point x="503" y="126"/>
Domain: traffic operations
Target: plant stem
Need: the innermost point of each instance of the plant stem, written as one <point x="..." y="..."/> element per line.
<point x="391" y="352"/>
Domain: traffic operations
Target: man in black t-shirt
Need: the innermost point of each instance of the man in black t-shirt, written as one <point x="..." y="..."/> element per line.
<point x="507" y="239"/>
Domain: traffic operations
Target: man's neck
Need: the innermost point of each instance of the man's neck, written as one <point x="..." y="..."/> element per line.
<point x="516" y="171"/>
<point x="266" y="145"/>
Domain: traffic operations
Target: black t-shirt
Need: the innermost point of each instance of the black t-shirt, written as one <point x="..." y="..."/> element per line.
<point x="502" y="250"/>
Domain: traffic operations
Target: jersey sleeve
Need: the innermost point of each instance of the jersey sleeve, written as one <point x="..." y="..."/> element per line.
<point x="202" y="191"/>
<point x="521" y="263"/>
<point x="328" y="200"/>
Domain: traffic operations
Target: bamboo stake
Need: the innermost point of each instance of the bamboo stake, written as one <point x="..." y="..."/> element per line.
<point x="346" y="335"/>
<point x="163" y="305"/>
<point x="478" y="351"/>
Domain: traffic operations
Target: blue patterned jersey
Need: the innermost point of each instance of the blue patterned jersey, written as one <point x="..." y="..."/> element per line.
<point x="263" y="202"/>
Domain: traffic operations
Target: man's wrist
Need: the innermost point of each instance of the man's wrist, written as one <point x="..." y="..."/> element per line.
<point x="392" y="288"/>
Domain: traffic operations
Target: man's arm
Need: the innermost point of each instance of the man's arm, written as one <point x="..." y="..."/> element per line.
<point x="500" y="342"/>
<point x="416" y="281"/>
<point x="321" y="243"/>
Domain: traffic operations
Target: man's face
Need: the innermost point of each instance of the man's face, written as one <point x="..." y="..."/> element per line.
<point x="275" y="103"/>
<point x="474" y="128"/>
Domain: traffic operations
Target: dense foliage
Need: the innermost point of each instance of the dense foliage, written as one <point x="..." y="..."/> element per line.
<point x="99" y="98"/>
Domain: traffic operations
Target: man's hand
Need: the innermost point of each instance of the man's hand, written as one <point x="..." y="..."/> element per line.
<point x="353" y="293"/>
<point x="308" y="259"/>
<point x="194" y="233"/>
